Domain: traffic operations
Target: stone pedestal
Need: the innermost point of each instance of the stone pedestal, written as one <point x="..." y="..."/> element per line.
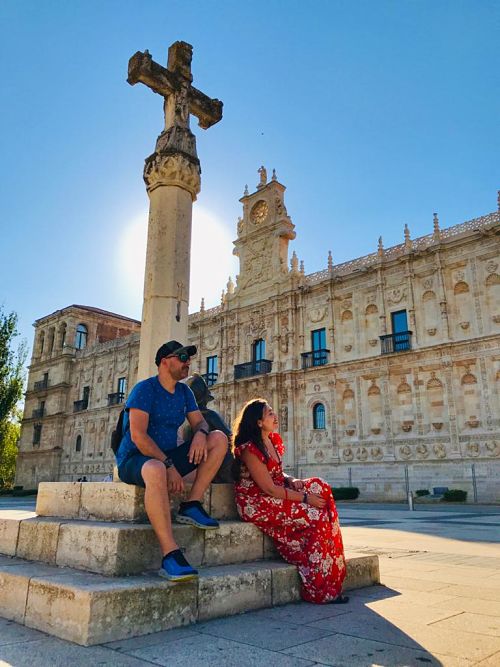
<point x="91" y="581"/>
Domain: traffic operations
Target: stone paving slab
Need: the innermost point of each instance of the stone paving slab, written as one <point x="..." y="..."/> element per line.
<point x="345" y="650"/>
<point x="492" y="661"/>
<point x="51" y="652"/>
<point x="262" y="631"/>
<point x="414" y="584"/>
<point x="482" y="624"/>
<point x="204" y="651"/>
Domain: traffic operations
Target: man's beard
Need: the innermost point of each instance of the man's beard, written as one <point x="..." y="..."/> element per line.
<point x="182" y="373"/>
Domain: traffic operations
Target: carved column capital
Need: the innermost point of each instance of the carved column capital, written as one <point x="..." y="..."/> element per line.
<point x="172" y="169"/>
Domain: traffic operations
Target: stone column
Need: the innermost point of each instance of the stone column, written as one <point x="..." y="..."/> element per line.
<point x="172" y="183"/>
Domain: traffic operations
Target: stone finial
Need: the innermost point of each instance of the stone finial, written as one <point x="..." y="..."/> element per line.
<point x="263" y="177"/>
<point x="435" y="222"/>
<point x="380" y="250"/>
<point x="330" y="261"/>
<point x="230" y="286"/>
<point x="245" y="191"/>
<point x="275" y="178"/>
<point x="202" y="305"/>
<point x="498" y="199"/>
<point x="222" y="298"/>
<point x="302" y="266"/>
<point x="408" y="243"/>
<point x="294" y="262"/>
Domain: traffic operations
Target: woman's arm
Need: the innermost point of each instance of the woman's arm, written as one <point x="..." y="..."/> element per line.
<point x="260" y="475"/>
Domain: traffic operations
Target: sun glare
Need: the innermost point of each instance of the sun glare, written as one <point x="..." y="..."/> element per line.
<point x="212" y="261"/>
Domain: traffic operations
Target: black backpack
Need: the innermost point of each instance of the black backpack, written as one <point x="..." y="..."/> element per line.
<point x="118" y="433"/>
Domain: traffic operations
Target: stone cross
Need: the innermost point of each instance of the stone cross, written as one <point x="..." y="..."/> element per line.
<point x="172" y="177"/>
<point x="174" y="83"/>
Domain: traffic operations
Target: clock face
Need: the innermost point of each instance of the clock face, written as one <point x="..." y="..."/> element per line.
<point x="259" y="212"/>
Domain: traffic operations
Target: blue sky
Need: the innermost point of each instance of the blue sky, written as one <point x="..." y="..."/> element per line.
<point x="374" y="114"/>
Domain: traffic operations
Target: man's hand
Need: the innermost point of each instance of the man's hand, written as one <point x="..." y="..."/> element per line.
<point x="174" y="480"/>
<point x="198" y="449"/>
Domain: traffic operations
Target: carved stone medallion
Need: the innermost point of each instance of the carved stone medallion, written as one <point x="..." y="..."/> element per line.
<point x="259" y="212"/>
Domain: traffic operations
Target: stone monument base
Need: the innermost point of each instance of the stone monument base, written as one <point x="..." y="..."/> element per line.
<point x="82" y="566"/>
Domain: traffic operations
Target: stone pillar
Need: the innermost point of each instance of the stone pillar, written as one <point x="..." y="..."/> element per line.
<point x="172" y="183"/>
<point x="172" y="177"/>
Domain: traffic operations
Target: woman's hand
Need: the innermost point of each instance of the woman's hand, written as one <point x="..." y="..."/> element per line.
<point x="315" y="500"/>
<point x="295" y="484"/>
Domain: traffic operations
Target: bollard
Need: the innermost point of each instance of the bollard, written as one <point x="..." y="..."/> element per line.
<point x="410" y="501"/>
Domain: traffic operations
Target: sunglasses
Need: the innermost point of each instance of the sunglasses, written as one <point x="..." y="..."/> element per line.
<point x="182" y="356"/>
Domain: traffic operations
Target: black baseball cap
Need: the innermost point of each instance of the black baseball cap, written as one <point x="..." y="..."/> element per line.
<point x="173" y="347"/>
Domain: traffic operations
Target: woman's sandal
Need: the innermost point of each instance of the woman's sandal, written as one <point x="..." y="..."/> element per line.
<point x="341" y="599"/>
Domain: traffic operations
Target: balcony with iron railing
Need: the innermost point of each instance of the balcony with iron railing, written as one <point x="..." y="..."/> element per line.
<point x="37" y="413"/>
<point x="79" y="406"/>
<point x="210" y="378"/>
<point x="251" y="368"/>
<point x="397" y="342"/>
<point x="116" y="398"/>
<point x="41" y="385"/>
<point x="315" y="358"/>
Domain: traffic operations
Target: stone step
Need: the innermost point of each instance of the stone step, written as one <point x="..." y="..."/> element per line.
<point x="115" y="501"/>
<point x="117" y="549"/>
<point x="91" y="609"/>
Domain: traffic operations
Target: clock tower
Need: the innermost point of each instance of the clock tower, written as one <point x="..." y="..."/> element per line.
<point x="263" y="236"/>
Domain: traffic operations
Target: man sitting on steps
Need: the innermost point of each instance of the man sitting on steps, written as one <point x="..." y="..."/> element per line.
<point x="148" y="454"/>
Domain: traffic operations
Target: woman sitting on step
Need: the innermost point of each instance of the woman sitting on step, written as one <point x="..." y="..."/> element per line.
<point x="299" y="515"/>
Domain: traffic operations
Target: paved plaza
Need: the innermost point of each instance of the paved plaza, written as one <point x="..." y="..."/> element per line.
<point x="439" y="605"/>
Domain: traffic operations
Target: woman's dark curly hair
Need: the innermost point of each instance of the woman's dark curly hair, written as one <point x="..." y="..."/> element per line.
<point x="246" y="429"/>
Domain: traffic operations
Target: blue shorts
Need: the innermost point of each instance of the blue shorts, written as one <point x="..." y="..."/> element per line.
<point x="130" y="470"/>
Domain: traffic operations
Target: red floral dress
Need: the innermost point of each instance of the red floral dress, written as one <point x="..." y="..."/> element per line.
<point x="303" y="535"/>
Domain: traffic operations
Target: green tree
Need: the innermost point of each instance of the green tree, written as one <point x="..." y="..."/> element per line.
<point x="9" y="436"/>
<point x="11" y="391"/>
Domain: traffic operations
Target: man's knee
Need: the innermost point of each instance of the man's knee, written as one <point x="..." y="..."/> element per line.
<point x="217" y="441"/>
<point x="154" y="472"/>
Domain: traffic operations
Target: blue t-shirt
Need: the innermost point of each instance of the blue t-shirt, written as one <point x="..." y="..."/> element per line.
<point x="166" y="413"/>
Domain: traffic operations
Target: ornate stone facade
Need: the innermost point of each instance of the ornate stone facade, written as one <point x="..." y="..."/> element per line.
<point x="83" y="361"/>
<point x="381" y="367"/>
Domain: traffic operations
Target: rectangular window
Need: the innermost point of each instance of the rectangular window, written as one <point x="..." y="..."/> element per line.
<point x="401" y="338"/>
<point x="399" y="322"/>
<point x="85" y="397"/>
<point x="122" y="386"/>
<point x="259" y="353"/>
<point x="318" y="344"/>
<point x="259" y="350"/>
<point x="212" y="372"/>
<point x="37" y="434"/>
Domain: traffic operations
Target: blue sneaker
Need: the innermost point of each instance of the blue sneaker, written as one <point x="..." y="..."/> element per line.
<point x="175" y="567"/>
<point x="192" y="512"/>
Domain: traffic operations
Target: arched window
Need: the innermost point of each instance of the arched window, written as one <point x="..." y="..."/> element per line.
<point x="319" y="416"/>
<point x="81" y="337"/>
<point x="79" y="443"/>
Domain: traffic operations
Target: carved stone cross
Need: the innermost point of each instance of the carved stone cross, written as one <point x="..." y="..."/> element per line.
<point x="174" y="84"/>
